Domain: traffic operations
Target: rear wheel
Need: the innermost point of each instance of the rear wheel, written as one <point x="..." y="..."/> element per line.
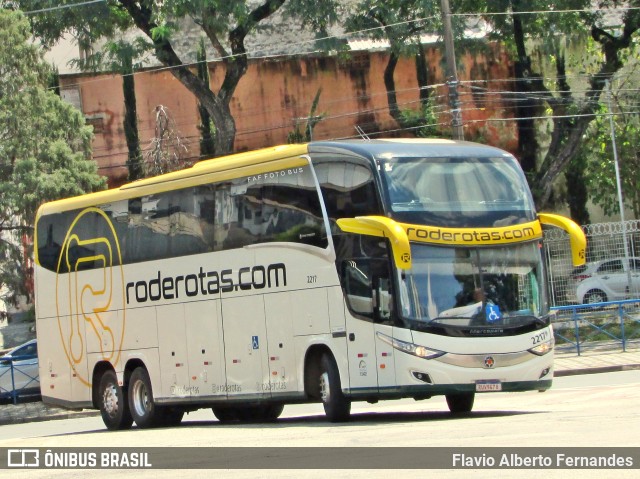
<point x="169" y="416"/>
<point x="143" y="410"/>
<point x="337" y="406"/>
<point x="595" y="296"/>
<point x="460" y="402"/>
<point x="113" y="404"/>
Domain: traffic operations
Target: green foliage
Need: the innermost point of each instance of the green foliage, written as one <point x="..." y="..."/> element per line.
<point x="45" y="146"/>
<point x="297" y="136"/>
<point x="401" y="22"/>
<point x="598" y="148"/>
<point x="552" y="81"/>
<point x="423" y="122"/>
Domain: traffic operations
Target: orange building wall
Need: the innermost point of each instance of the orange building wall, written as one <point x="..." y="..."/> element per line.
<point x="274" y="93"/>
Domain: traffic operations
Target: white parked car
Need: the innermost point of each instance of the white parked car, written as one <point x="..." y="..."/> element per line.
<point x="25" y="371"/>
<point x="608" y="280"/>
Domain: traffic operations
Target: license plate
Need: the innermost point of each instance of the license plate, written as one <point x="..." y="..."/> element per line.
<point x="486" y="386"/>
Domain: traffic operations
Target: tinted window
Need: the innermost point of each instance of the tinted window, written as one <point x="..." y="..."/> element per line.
<point x="274" y="206"/>
<point x="614" y="266"/>
<point x="348" y="189"/>
<point x="457" y="192"/>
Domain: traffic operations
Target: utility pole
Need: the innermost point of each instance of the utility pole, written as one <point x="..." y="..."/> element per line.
<point x="619" y="187"/>
<point x="452" y="74"/>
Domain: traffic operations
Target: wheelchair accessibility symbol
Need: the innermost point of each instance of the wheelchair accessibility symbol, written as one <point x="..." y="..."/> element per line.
<point x="492" y="313"/>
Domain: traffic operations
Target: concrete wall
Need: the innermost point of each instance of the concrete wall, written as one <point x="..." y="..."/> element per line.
<point x="275" y="92"/>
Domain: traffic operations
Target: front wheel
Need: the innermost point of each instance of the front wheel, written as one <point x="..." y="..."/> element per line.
<point x="460" y="403"/>
<point x="113" y="404"/>
<point x="336" y="405"/>
<point x="143" y="410"/>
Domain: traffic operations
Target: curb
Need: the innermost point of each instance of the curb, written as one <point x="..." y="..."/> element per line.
<point x="43" y="418"/>
<point x="598" y="370"/>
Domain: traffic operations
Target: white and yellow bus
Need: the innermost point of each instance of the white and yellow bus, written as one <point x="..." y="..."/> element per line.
<point x="331" y="271"/>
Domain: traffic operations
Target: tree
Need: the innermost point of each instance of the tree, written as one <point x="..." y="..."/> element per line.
<point x="206" y="127"/>
<point x="569" y="111"/>
<point x="225" y="23"/>
<point x="297" y="136"/>
<point x="167" y="150"/>
<point x="597" y="150"/>
<point x="45" y="146"/>
<point x="401" y="22"/>
<point x="119" y="56"/>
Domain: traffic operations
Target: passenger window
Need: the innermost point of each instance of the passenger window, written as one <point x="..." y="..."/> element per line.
<point x="270" y="207"/>
<point x="348" y="189"/>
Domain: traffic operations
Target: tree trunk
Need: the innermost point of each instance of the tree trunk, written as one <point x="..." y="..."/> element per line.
<point x="217" y="105"/>
<point x="390" y="85"/>
<point x="577" y="191"/>
<point x="207" y="141"/>
<point x="526" y="107"/>
<point x="569" y="126"/>
<point x="130" y="122"/>
<point x="422" y="76"/>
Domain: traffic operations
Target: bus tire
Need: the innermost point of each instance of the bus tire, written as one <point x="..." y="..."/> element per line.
<point x="169" y="416"/>
<point x="460" y="403"/>
<point x="113" y="403"/>
<point x="261" y="413"/>
<point x="226" y="414"/>
<point x="272" y="411"/>
<point x="143" y="410"/>
<point x="337" y="406"/>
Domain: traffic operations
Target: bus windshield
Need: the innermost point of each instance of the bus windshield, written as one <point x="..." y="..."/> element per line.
<point x="457" y="192"/>
<point x="498" y="287"/>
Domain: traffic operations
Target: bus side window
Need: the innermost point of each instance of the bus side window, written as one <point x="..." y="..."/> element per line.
<point x="348" y="188"/>
<point x="357" y="286"/>
<point x="50" y="237"/>
<point x="367" y="286"/>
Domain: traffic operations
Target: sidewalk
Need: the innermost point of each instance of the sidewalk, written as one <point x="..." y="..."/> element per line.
<point x="595" y="361"/>
<point x="566" y="364"/>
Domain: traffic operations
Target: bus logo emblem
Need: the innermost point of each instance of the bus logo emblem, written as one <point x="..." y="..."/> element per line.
<point x="489" y="362"/>
<point x="90" y="306"/>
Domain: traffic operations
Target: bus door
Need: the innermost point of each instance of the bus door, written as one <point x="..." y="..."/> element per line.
<point x="245" y="346"/>
<point x="173" y="351"/>
<point x="366" y="285"/>
<point x="206" y="356"/>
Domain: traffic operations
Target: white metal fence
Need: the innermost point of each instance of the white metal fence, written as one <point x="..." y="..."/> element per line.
<point x="606" y="243"/>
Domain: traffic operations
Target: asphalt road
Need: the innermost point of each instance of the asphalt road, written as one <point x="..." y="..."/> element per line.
<point x="591" y="410"/>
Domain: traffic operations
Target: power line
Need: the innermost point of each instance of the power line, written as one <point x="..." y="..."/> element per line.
<point x="540" y="12"/>
<point x="62" y="7"/>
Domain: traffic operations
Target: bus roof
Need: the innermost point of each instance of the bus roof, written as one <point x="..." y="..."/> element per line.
<point x="253" y="162"/>
<point x="410" y="147"/>
<point x="248" y="163"/>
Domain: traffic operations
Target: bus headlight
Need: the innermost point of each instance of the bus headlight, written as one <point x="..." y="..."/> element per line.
<point x="543" y="348"/>
<point x="410" y="348"/>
